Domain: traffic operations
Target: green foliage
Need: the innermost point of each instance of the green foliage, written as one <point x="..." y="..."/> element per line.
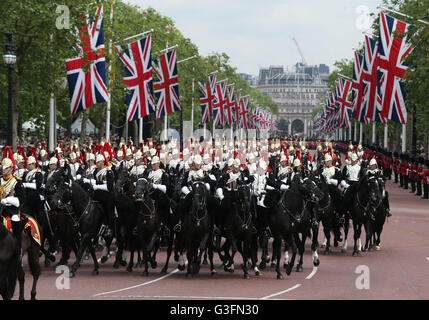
<point x="41" y="68"/>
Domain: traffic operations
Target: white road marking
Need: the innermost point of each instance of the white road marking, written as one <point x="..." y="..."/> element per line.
<point x="183" y="297"/>
<point x="427" y="258"/>
<point x="312" y="273"/>
<point x="141" y="284"/>
<point x="281" y="292"/>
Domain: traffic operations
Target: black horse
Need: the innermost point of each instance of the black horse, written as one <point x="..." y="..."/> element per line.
<point x="196" y="228"/>
<point x="240" y="229"/>
<point x="308" y="194"/>
<point x="10" y="262"/>
<point x="280" y="225"/>
<point x="379" y="218"/>
<point x="148" y="225"/>
<point x="326" y="213"/>
<point x="366" y="201"/>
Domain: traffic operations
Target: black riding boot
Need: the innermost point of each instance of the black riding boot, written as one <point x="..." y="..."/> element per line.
<point x="425" y="191"/>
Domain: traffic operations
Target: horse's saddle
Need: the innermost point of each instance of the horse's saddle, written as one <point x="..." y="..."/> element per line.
<point x="31" y="223"/>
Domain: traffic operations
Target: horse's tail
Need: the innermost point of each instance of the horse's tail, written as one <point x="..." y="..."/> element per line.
<point x="12" y="271"/>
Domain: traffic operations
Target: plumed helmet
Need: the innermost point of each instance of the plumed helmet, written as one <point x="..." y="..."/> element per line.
<point x="236" y="163"/>
<point x="373" y="162"/>
<point x="230" y="162"/>
<point x="53" y="160"/>
<point x="99" y="158"/>
<point x="354" y="157"/>
<point x="328" y="157"/>
<point x="155" y="160"/>
<point x="91" y="157"/>
<point x="6" y="163"/>
<point x="198" y="159"/>
<point x="296" y="163"/>
<point x="138" y="155"/>
<point x="31" y="160"/>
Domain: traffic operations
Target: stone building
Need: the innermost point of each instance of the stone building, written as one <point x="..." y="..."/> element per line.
<point x="296" y="93"/>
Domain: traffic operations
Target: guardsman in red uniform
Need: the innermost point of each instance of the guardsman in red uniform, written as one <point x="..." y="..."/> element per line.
<point x="419" y="177"/>
<point x="396" y="167"/>
<point x="425" y="177"/>
<point x="406" y="171"/>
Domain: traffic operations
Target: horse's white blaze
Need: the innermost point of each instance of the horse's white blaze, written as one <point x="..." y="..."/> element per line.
<point x="181" y="260"/>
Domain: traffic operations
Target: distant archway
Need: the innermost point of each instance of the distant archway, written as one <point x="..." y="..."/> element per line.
<point x="297" y="126"/>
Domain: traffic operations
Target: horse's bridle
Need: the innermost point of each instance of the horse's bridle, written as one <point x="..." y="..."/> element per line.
<point x="146" y="196"/>
<point x="202" y="204"/>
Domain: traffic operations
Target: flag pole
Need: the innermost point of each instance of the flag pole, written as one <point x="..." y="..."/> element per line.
<point x="167" y="30"/>
<point x="144" y="14"/>
<point x="110" y="71"/>
<point x="385" y="135"/>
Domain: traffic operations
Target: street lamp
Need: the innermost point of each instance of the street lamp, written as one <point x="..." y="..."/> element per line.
<point x="10" y="59"/>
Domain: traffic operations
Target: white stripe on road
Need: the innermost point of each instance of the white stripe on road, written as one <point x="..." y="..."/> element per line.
<point x="182" y="297"/>
<point x="281" y="292"/>
<point x="141" y="284"/>
<point x="427" y="258"/>
<point x="312" y="273"/>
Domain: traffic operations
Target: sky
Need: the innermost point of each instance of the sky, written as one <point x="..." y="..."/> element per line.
<point x="259" y="33"/>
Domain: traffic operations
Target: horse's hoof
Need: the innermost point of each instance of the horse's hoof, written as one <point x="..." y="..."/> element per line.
<point x="95" y="272"/>
<point x="123" y="263"/>
<point x="322" y="246"/>
<point x="299" y="268"/>
<point x="288" y="269"/>
<point x="145" y="274"/>
<point x="343" y="250"/>
<point x="377" y="248"/>
<point x="273" y="264"/>
<point x="262" y="265"/>
<point x="104" y="259"/>
<point x="130" y="269"/>
<point x="86" y="257"/>
<point x="164" y="271"/>
<point x="246" y="276"/>
<point x="258" y="273"/>
<point x="47" y="263"/>
<point x="326" y="252"/>
<point x="153" y="264"/>
<point x="316" y="262"/>
<point x="176" y="257"/>
<point x="335" y="243"/>
<point x="213" y="272"/>
<point x="116" y="265"/>
<point x="189" y="276"/>
<point x="280" y="277"/>
<point x="355" y="254"/>
<point x="72" y="274"/>
<point x="371" y="249"/>
<point x="181" y="267"/>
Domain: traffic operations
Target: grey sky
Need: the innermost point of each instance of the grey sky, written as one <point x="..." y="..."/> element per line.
<point x="258" y="33"/>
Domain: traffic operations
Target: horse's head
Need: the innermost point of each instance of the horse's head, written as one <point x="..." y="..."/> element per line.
<point x="311" y="190"/>
<point x="199" y="193"/>
<point x="58" y="189"/>
<point x="243" y="197"/>
<point x="123" y="178"/>
<point x="374" y="191"/>
<point x="55" y="182"/>
<point x="143" y="188"/>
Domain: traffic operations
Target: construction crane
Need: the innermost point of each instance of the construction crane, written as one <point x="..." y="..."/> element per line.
<point x="300" y="52"/>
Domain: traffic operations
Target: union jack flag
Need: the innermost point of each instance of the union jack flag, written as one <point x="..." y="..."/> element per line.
<point x="392" y="50"/>
<point x="229" y="106"/>
<point x="237" y="109"/>
<point x="137" y="64"/>
<point x="357" y="87"/>
<point x="220" y="101"/>
<point x="244" y="121"/>
<point x="167" y="89"/>
<point x="344" y="104"/>
<point x="86" y="74"/>
<point x="207" y="95"/>
<point x="370" y="81"/>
